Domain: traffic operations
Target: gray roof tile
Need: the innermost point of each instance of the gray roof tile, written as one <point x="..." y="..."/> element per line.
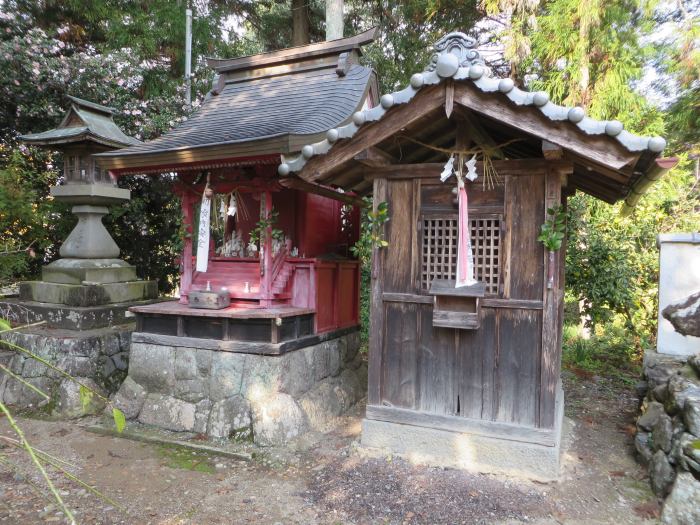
<point x="298" y="103"/>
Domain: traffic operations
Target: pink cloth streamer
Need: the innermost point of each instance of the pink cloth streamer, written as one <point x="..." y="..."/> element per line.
<point x="465" y="257"/>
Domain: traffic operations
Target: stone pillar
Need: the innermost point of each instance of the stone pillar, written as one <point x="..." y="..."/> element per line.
<point x="89" y="239"/>
<point x="679" y="278"/>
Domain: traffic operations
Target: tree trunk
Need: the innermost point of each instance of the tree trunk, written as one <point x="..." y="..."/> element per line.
<point x="334" y="19"/>
<point x="300" y="22"/>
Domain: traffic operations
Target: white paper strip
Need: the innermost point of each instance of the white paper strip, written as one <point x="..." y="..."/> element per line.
<point x="203" y="236"/>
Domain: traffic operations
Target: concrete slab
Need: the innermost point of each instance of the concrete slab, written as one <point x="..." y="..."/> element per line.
<point x="469" y="451"/>
<point x="87" y="295"/>
<point x="83" y="271"/>
<point x="67" y="317"/>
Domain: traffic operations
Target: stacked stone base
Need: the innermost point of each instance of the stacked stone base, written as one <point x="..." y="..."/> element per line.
<point x="270" y="400"/>
<point x="668" y="433"/>
<point x="98" y="358"/>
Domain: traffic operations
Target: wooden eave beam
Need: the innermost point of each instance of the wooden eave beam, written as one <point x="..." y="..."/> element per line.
<point x="600" y="149"/>
<point x="374" y="132"/>
<point x="552" y="151"/>
<point x="373" y="157"/>
<point x="317" y="189"/>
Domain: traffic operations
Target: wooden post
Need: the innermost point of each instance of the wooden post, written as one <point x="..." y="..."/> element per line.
<point x="552" y="296"/>
<point x="186" y="263"/>
<point x="266" y="259"/>
<point x="376" y="333"/>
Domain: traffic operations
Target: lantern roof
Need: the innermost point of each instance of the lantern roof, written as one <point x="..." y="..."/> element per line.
<point x="84" y="121"/>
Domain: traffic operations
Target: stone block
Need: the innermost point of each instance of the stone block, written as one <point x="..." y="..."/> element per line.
<point x="168" y="412"/>
<point x="321" y="405"/>
<point x="191" y="390"/>
<point x="662" y="433"/>
<point x="153" y="367"/>
<point x="643" y="447"/>
<point x="334" y="361"/>
<point x="203" y="360"/>
<point x="277" y="419"/>
<point x="121" y="360"/>
<point x="694" y="363"/>
<point x="185" y="363"/>
<point x="296" y="376"/>
<point x="201" y="416"/>
<point x="106" y="366"/>
<point x="69" y="403"/>
<point x="112" y="344"/>
<point x="231" y="419"/>
<point x="322" y="361"/>
<point x="681" y="507"/>
<point x="661" y="473"/>
<point x="130" y="398"/>
<point x="679" y="388"/>
<point x="19" y="395"/>
<point x="651" y="415"/>
<point x="226" y="379"/>
<point x="691" y="412"/>
<point x="689" y="456"/>
<point x="349" y="382"/>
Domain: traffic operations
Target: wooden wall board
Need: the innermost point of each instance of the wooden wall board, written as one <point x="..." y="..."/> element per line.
<point x="400" y="229"/>
<point x="517" y="371"/>
<point x="476" y="367"/>
<point x="524" y="215"/>
<point x="400" y="355"/>
<point x="437" y="366"/>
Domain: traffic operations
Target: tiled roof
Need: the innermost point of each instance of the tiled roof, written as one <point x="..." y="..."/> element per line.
<point x="84" y="121"/>
<point x="297" y="103"/>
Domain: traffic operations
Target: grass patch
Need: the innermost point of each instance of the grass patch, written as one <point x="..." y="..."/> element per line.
<point x="186" y="459"/>
<point x="610" y="351"/>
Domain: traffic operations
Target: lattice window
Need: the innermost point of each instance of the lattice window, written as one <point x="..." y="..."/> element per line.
<point x="439" y="251"/>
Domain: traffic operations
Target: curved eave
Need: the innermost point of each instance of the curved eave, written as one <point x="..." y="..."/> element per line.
<point x="279" y="144"/>
<point x="73" y="139"/>
<point x="479" y="77"/>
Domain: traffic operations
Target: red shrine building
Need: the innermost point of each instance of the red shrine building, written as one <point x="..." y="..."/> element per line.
<point x="298" y="260"/>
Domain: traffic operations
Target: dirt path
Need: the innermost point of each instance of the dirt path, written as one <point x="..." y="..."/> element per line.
<point x="331" y="484"/>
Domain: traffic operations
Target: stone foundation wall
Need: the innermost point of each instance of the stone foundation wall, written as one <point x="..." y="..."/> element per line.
<point x="99" y="358"/>
<point x="668" y="433"/>
<point x="268" y="399"/>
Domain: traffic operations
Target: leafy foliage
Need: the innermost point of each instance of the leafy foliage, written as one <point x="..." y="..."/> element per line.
<point x="553" y="231"/>
<point x="371" y="231"/>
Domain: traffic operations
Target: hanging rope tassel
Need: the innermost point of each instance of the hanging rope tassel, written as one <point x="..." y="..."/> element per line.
<point x="465" y="256"/>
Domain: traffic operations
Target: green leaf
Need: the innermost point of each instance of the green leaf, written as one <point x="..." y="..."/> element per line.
<point x="4" y="325"/>
<point x="85" y="397"/>
<point x="119" y="419"/>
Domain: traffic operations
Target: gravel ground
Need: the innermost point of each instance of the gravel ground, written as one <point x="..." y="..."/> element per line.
<point x="378" y="491"/>
<point x="329" y="483"/>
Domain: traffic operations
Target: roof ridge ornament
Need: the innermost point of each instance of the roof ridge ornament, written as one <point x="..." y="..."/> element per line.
<point x="460" y="46"/>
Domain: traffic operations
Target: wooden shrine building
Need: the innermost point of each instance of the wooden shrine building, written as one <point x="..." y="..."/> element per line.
<point x="470" y="377"/>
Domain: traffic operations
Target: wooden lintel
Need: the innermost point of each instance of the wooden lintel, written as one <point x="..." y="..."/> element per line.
<point x="503" y="167"/>
<point x="324" y="191"/>
<point x="374" y="157"/>
<point x="600" y="149"/>
<point x="552" y="151"/>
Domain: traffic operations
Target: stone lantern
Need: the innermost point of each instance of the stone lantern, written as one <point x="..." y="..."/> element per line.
<point x="89" y="272"/>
